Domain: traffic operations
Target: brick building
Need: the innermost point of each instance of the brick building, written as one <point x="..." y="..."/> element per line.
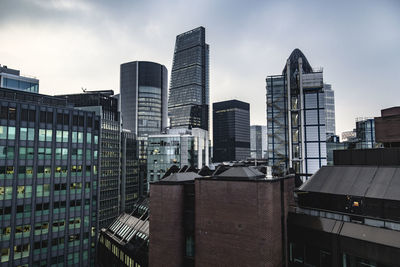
<point x="235" y="218"/>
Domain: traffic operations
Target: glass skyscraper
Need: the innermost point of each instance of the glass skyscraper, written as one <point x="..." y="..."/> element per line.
<point x="144" y="97"/>
<point x="188" y="104"/>
<point x="231" y="131"/>
<point x="296" y="118"/>
<point x="144" y="105"/>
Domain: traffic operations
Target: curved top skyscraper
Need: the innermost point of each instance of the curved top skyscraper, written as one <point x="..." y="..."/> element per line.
<point x="188" y="104"/>
<point x="144" y="97"/>
<point x="298" y="117"/>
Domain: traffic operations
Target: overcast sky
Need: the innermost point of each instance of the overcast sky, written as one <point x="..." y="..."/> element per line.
<point x="70" y="44"/>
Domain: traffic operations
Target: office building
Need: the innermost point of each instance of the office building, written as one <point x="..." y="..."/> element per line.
<point x="126" y="241"/>
<point x="48" y="181"/>
<point x="296" y="118"/>
<point x="235" y="217"/>
<point x="329" y="110"/>
<point x="231" y="131"/>
<point x="258" y="142"/>
<point x="188" y="105"/>
<point x="144" y="97"/>
<point x="129" y="176"/>
<point x="365" y="133"/>
<point x="144" y="106"/>
<point x="12" y="79"/>
<point x="348" y="214"/>
<point x="179" y="147"/>
<point x="106" y="106"/>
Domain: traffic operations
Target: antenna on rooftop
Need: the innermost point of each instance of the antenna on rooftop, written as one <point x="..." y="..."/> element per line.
<point x="84" y="89"/>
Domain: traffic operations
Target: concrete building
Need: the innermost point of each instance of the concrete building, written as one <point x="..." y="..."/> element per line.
<point x="235" y="218"/>
<point x="231" y="131"/>
<point x="49" y="160"/>
<point x="12" y="79"/>
<point x="296" y="117"/>
<point x="258" y="142"/>
<point x="179" y="147"/>
<point x="189" y="93"/>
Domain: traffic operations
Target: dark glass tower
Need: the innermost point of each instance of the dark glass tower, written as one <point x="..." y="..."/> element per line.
<point x="144" y="105"/>
<point x="189" y="90"/>
<point x="231" y="130"/>
<point x="144" y="99"/>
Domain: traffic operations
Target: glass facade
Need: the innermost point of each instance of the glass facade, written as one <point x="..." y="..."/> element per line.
<point x="144" y="105"/>
<point x="330" y="110"/>
<point x="144" y="97"/>
<point x="231" y="131"/>
<point x="181" y="148"/>
<point x="296" y="122"/>
<point x="106" y="106"/>
<point x="189" y="89"/>
<point x="129" y="169"/>
<point x="11" y="79"/>
<point x="258" y="142"/>
<point x="365" y="133"/>
<point x="48" y="197"/>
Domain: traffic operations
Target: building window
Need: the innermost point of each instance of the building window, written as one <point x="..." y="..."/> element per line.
<point x="189" y="246"/>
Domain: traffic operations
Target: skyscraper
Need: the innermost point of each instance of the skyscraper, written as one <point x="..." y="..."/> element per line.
<point x="144" y="97"/>
<point x="258" y="141"/>
<point x="231" y="130"/>
<point x="296" y="117"/>
<point x="188" y="104"/>
<point x="48" y="181"/>
<point x="144" y="105"/>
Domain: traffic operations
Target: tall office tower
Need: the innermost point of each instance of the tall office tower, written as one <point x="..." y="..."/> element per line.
<point x="144" y="99"/>
<point x="258" y="142"/>
<point x="231" y="130"/>
<point x="11" y="79"/>
<point x="105" y="106"/>
<point x="296" y="117"/>
<point x="144" y="105"/>
<point x="48" y="181"/>
<point x="365" y="132"/>
<point x="329" y="110"/>
<point x="188" y="104"/>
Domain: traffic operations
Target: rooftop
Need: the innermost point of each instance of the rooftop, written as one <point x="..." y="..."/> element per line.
<point x="379" y="182"/>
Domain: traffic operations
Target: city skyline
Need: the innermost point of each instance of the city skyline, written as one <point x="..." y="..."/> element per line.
<point x="74" y="44"/>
